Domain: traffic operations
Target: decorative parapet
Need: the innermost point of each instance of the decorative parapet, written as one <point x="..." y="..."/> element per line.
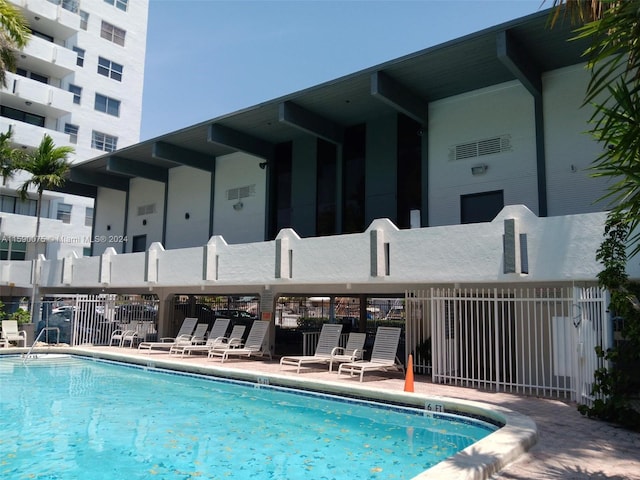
<point x="151" y="262"/>
<point x="210" y="258"/>
<point x="284" y="253"/>
<point x="105" y="265"/>
<point x="67" y="268"/>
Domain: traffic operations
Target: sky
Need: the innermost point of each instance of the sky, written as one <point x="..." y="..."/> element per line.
<point x="208" y="58"/>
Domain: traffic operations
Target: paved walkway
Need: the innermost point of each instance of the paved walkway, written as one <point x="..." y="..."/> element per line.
<point x="570" y="446"/>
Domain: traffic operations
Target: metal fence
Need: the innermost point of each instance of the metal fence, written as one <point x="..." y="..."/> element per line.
<point x="92" y="319"/>
<point x="538" y="341"/>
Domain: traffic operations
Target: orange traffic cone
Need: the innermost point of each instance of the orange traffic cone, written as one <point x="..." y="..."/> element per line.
<point x="408" y="379"/>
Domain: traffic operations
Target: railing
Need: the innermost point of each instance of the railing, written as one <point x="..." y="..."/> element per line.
<point x="45" y="329"/>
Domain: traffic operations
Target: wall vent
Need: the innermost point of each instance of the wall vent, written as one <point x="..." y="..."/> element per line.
<point x="241" y="192"/>
<point x="479" y="148"/>
<point x="146" y="209"/>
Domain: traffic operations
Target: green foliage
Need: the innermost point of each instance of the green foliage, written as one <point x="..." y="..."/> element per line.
<point x="21" y="316"/>
<point x="613" y="58"/>
<point x="14" y="35"/>
<point x="615" y="386"/>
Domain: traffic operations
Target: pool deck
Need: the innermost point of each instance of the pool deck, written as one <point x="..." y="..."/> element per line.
<point x="569" y="445"/>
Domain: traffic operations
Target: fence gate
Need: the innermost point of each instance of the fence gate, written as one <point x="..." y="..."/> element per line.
<point x="96" y="317"/>
<point x="538" y="341"/>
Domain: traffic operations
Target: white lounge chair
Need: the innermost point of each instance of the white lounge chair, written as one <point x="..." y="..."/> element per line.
<point x="351" y="352"/>
<point x="328" y="340"/>
<point x="10" y="333"/>
<point x="218" y="330"/>
<point x="234" y="340"/>
<point x="181" y="340"/>
<point x="118" y="335"/>
<point x="187" y="327"/>
<point x="253" y="346"/>
<point x="383" y="355"/>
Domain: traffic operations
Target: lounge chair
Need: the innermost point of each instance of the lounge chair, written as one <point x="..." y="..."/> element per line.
<point x="118" y="335"/>
<point x="351" y="352"/>
<point x="187" y="327"/>
<point x="383" y="355"/>
<point x="253" y="346"/>
<point x="220" y="325"/>
<point x="10" y="333"/>
<point x="234" y="340"/>
<point x="328" y="340"/>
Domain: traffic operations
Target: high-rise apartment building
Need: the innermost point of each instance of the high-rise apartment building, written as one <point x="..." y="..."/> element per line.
<point x="79" y="80"/>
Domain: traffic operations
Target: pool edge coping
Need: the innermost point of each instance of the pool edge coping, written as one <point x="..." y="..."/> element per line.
<point x="476" y="462"/>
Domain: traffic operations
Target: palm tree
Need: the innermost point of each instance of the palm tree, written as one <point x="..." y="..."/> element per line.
<point x="9" y="157"/>
<point x="613" y="28"/>
<point x="48" y="166"/>
<point x="14" y="35"/>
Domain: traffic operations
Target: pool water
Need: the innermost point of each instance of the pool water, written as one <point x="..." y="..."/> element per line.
<point x="75" y="418"/>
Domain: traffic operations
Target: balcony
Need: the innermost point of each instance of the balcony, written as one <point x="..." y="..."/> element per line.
<point x="30" y="136"/>
<point x="49" y="18"/>
<point x="36" y="97"/>
<point x="47" y="58"/>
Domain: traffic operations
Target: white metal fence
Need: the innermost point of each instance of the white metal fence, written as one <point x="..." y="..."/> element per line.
<point x="92" y="319"/>
<point x="538" y="341"/>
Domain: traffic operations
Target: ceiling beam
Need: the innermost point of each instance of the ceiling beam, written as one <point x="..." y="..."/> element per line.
<point x="133" y="168"/>
<point x="310" y="122"/>
<point x="184" y="156"/>
<point x="99" y="179"/>
<point x="389" y="91"/>
<point x="75" y="188"/>
<point x="240" y="141"/>
<point x="519" y="62"/>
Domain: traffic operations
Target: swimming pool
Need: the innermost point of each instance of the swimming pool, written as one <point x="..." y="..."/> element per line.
<point x="79" y="418"/>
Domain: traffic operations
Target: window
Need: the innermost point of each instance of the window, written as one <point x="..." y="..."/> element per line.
<point x="121" y="4"/>
<point x="353" y="175"/>
<point x="72" y="130"/>
<point x="107" y="105"/>
<point x="21" y="116"/>
<point x="7" y="204"/>
<point x="10" y="250"/>
<point x="77" y="92"/>
<point x="80" y="59"/>
<point x="41" y="35"/>
<point x="84" y="19"/>
<point x="102" y="141"/>
<point x="71" y="5"/>
<point x="109" y="69"/>
<point x="86" y="251"/>
<point x="409" y="170"/>
<point x="64" y="212"/>
<point x="112" y="33"/>
<point x="32" y="75"/>
<point x="88" y="216"/>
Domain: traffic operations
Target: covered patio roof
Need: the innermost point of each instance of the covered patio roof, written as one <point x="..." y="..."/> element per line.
<point x="522" y="49"/>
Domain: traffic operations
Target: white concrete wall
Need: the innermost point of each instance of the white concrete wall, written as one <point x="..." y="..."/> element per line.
<point x="110" y="208"/>
<point x="505" y="109"/>
<point x="145" y="192"/>
<point x="570" y="150"/>
<point x="561" y="249"/>
<point x="189" y="192"/>
<point x="246" y="224"/>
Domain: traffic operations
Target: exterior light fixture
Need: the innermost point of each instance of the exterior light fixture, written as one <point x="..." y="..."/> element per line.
<point x="478" y="169"/>
<point x="238" y="206"/>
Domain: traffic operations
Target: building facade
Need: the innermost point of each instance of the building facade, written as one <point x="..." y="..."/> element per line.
<point x="79" y="80"/>
<point x="464" y="164"/>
